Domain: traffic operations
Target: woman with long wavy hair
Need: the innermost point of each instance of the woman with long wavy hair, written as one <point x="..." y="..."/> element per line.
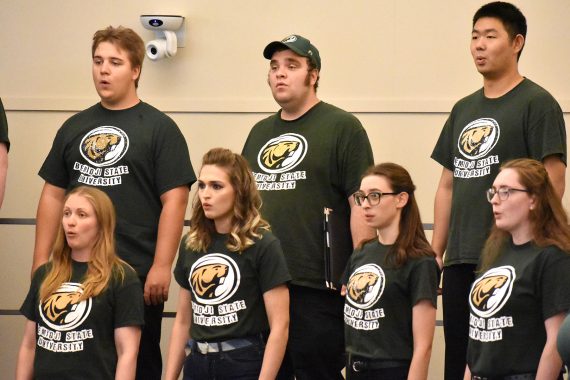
<point x="390" y="283"/>
<point x="85" y="306"/>
<point x="520" y="296"/>
<point x="233" y="300"/>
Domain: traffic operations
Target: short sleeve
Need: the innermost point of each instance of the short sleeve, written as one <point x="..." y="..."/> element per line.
<point x="180" y="269"/>
<point x="172" y="160"/>
<point x="129" y="302"/>
<point x="31" y="302"/>
<point x="54" y="170"/>
<point x="356" y="156"/>
<point x="443" y="150"/>
<point x="554" y="289"/>
<point x="547" y="130"/>
<point x="271" y="266"/>
<point x="423" y="281"/>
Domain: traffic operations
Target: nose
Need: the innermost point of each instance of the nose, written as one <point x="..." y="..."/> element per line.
<point x="495" y="200"/>
<point x="479" y="43"/>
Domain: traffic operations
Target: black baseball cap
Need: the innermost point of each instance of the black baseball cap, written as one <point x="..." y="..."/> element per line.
<point x="299" y="45"/>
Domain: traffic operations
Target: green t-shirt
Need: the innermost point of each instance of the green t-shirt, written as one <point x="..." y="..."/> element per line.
<point x="379" y="301"/>
<point x="508" y="306"/>
<point x="478" y="137"/>
<point x="134" y="155"/>
<point x="4" y="127"/>
<point x="76" y="340"/>
<point x="301" y="167"/>
<point x="227" y="287"/>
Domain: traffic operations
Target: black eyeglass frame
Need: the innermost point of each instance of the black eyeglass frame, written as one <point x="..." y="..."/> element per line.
<point x="359" y="197"/>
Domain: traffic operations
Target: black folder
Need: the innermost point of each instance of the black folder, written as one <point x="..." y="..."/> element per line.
<point x="338" y="246"/>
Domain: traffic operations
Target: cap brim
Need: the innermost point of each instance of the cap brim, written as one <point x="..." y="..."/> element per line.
<point x="271" y="47"/>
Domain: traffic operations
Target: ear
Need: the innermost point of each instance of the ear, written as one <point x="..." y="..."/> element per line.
<point x="518" y="43"/>
<point x="314" y="74"/>
<point x="532" y="202"/>
<point x="136" y="72"/>
<point x="403" y="199"/>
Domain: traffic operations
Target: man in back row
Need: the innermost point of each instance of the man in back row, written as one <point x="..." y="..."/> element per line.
<point x="510" y="117"/>
<point x="307" y="156"/>
<point x="139" y="157"/>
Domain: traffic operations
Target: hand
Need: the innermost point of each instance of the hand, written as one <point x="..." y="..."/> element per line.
<point x="157" y="285"/>
<point x="343" y="291"/>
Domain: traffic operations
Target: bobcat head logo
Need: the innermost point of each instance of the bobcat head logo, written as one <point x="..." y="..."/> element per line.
<point x="97" y="146"/>
<point x="360" y="285"/>
<point x="62" y="310"/>
<point x="207" y="278"/>
<point x="478" y="138"/>
<point x="491" y="291"/>
<point x="275" y="154"/>
<point x="473" y="139"/>
<point x="104" y="146"/>
<point x="214" y="278"/>
<point x="282" y="153"/>
<point x="365" y="286"/>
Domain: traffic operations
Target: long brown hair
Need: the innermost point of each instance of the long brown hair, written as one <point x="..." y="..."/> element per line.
<point x="549" y="221"/>
<point x="103" y="262"/>
<point x="247" y="223"/>
<point x="411" y="241"/>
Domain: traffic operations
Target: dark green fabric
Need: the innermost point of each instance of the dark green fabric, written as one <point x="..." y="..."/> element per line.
<point x="302" y="166"/>
<point x="525" y="122"/>
<point x="76" y="340"/>
<point x="3" y="127"/>
<point x="379" y="302"/>
<point x="146" y="156"/>
<point x="508" y="306"/>
<point x="227" y="287"/>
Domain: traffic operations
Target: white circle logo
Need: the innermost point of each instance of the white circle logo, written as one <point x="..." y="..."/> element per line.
<point x="491" y="291"/>
<point x="365" y="286"/>
<point x="61" y="311"/>
<point x="214" y="278"/>
<point x="478" y="138"/>
<point x="104" y="146"/>
<point x="282" y="153"/>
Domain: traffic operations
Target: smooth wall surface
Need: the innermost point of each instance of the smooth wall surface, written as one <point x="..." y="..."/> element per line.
<point x="398" y="65"/>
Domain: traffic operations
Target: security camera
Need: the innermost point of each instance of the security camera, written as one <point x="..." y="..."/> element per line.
<point x="169" y="33"/>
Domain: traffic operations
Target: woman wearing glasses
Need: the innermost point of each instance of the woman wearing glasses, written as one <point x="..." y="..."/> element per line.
<point x="521" y="295"/>
<point x="390" y="283"/>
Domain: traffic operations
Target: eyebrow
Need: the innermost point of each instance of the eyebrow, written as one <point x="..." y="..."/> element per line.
<point x="484" y="31"/>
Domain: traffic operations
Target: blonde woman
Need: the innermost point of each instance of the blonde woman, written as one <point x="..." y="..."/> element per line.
<point x="85" y="306"/>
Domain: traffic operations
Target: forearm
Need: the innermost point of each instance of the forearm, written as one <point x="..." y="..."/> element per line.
<point x="550" y="364"/>
<point x="176" y="352"/>
<point x="274" y="352"/>
<point x="25" y="364"/>
<point x="170" y="227"/>
<point x="420" y="363"/>
<point x="48" y="220"/>
<point x="3" y="171"/>
<point x="442" y="214"/>
<point x="126" y="366"/>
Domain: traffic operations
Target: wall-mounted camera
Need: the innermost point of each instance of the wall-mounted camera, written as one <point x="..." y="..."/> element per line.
<point x="169" y="33"/>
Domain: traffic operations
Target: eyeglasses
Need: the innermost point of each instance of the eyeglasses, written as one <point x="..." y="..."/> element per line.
<point x="502" y="192"/>
<point x="373" y="197"/>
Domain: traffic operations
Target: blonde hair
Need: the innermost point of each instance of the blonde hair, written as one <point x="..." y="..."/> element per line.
<point x="549" y="222"/>
<point x="103" y="262"/>
<point x="247" y="223"/>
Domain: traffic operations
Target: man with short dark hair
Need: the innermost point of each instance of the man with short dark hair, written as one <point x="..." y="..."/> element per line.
<point x="510" y="117"/>
<point x="308" y="156"/>
<point x="139" y="157"/>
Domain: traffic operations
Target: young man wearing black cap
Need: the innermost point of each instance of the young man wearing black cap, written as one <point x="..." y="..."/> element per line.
<point x="510" y="117"/>
<point x="308" y="156"/>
